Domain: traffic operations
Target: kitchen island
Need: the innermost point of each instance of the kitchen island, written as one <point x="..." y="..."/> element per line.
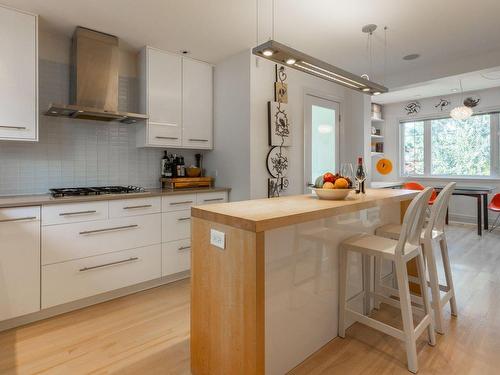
<point x="265" y="277"/>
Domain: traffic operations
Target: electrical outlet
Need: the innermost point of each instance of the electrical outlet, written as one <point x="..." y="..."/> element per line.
<point x="218" y="239"/>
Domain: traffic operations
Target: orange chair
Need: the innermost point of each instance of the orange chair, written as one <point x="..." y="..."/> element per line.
<point x="495" y="207"/>
<point x="417" y="186"/>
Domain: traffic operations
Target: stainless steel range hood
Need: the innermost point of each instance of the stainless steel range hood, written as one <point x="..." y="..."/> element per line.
<point x="94" y="80"/>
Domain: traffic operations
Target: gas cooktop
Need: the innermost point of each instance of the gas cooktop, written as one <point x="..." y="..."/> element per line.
<point x="78" y="191"/>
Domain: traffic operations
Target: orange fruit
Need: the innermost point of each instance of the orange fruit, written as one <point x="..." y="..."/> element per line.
<point x="328" y="185"/>
<point x="341" y="183"/>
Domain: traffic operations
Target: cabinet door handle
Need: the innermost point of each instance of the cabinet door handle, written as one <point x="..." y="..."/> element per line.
<point x="13" y="127"/>
<point x="213" y="199"/>
<point x="141" y="206"/>
<point x="109" y="264"/>
<point x="176" y="203"/>
<point x="18" y="219"/>
<point x="184" y="248"/>
<point x="109" y="229"/>
<point x="183" y="218"/>
<point x="160" y="137"/>
<point x="198" y="140"/>
<point x="77" y="213"/>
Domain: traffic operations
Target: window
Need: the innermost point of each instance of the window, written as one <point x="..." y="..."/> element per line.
<point x="446" y="147"/>
<point x="413" y="148"/>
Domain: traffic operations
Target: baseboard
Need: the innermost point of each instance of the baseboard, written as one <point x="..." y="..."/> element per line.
<point x="89" y="301"/>
<point x="468" y="219"/>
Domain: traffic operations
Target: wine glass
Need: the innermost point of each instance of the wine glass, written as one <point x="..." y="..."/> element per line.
<point x="347" y="170"/>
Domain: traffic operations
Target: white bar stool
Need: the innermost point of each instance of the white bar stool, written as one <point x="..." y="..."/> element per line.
<point x="400" y="252"/>
<point x="434" y="231"/>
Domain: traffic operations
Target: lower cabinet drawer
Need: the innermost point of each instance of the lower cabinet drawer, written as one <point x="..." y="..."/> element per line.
<point x="176" y="257"/>
<point x="80" y="240"/>
<point x="70" y="281"/>
<point x="176" y="225"/>
<point x="209" y="198"/>
<point x="134" y="207"/>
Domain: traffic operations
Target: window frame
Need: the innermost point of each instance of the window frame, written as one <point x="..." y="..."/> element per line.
<point x="494" y="148"/>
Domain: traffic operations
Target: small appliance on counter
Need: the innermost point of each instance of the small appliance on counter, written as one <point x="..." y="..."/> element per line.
<point x="175" y="174"/>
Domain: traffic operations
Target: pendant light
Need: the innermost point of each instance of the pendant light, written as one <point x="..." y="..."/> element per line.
<point x="461" y="112"/>
<point x="282" y="54"/>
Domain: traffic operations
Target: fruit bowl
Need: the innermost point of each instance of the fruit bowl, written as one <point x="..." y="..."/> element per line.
<point x="331" y="194"/>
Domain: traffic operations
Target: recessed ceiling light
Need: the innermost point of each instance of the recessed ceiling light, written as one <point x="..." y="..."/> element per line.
<point x="267" y="52"/>
<point x="454" y="90"/>
<point x="376" y="93"/>
<point x="411" y="56"/>
<point x="366" y="89"/>
<point x="290" y="61"/>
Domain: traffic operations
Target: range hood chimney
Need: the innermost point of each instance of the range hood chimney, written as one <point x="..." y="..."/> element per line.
<point x="94" y="80"/>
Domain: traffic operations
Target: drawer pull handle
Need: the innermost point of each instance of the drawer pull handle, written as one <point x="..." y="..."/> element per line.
<point x="176" y="203"/>
<point x="184" y="248"/>
<point x="109" y="229"/>
<point x="183" y="218"/>
<point x="13" y="127"/>
<point x="77" y="213"/>
<point x="160" y="137"/>
<point x="141" y="206"/>
<point x="198" y="140"/>
<point x="109" y="264"/>
<point x="213" y="199"/>
<point x="18" y="219"/>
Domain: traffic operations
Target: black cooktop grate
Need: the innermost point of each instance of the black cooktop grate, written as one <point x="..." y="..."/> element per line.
<point x="98" y="190"/>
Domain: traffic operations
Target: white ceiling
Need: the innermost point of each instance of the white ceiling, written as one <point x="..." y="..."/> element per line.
<point x="473" y="81"/>
<point x="444" y="32"/>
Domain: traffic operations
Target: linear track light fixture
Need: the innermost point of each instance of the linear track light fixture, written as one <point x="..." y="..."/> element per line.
<point x="281" y="54"/>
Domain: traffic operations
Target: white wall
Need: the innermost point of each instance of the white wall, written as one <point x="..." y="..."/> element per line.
<point x="461" y="208"/>
<point x="229" y="162"/>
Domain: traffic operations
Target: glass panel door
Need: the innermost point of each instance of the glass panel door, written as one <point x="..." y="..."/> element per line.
<point x="321" y="136"/>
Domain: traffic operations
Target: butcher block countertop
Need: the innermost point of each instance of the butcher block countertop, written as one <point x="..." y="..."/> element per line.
<point x="43" y="199"/>
<point x="259" y="215"/>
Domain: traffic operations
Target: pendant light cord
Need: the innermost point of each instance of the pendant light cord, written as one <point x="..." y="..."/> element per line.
<point x="385" y="55"/>
<point x="273" y="12"/>
<point x="461" y="92"/>
<point x="257" y="22"/>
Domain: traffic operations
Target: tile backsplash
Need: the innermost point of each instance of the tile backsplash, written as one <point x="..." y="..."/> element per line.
<point x="78" y="152"/>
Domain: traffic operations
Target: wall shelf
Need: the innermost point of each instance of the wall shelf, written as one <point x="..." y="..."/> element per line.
<point x="377" y="154"/>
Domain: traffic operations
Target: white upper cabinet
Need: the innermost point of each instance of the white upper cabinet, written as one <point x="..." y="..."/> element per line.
<point x="18" y="75"/>
<point x="197" y="81"/>
<point x="176" y="94"/>
<point x="161" y="98"/>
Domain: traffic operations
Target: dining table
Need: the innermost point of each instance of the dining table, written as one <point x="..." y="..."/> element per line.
<point x="481" y="194"/>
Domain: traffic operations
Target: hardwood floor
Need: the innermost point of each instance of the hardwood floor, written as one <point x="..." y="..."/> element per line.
<point x="148" y="332"/>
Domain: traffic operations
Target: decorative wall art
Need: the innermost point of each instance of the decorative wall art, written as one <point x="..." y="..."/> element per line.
<point x="384" y="166"/>
<point x="412" y="108"/>
<point x="280" y="88"/>
<point x="443" y="103"/>
<point x="279" y="136"/>
<point x="471" y="101"/>
<point x="277" y="162"/>
<point x="279" y="125"/>
<point x="276" y="185"/>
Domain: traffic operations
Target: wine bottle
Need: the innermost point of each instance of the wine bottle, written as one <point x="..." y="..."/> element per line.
<point x="360" y="177"/>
